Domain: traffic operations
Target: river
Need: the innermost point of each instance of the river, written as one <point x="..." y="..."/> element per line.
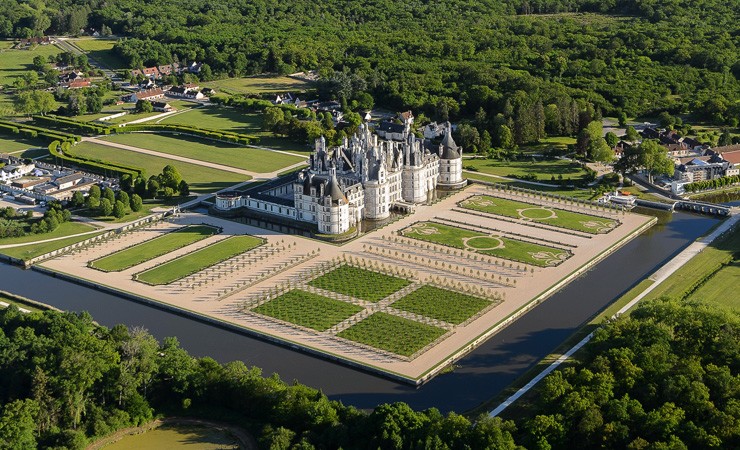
<point x="479" y="376"/>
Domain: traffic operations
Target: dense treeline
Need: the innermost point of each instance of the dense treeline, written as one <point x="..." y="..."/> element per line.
<point x="667" y="377"/>
<point x="446" y="57"/>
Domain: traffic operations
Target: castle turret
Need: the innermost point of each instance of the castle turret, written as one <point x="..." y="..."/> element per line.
<point x="450" y="163"/>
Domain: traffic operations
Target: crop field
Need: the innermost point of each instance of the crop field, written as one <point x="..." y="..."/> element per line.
<point x="544" y="170"/>
<point x="258" y="85"/>
<point x="308" y="310"/>
<point x="493" y="245"/>
<point x="229" y="119"/>
<point x="133" y="256"/>
<point x="392" y="333"/>
<point x="14" y="63"/>
<point x="541" y="214"/>
<point x="441" y="304"/>
<point x="199" y="260"/>
<point x="211" y="151"/>
<point x="359" y="283"/>
<point x="201" y="179"/>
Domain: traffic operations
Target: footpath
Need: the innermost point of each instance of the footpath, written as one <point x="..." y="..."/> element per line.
<point x="658" y="277"/>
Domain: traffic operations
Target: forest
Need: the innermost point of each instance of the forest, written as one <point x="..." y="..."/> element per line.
<point x="445" y="58"/>
<point x="664" y="377"/>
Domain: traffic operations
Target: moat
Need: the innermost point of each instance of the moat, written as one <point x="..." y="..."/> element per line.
<point x="479" y="376"/>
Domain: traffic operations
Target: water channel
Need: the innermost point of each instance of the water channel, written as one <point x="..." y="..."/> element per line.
<point x="479" y="376"/>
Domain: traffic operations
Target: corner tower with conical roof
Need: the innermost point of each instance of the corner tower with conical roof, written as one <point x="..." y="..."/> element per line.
<point x="450" y="164"/>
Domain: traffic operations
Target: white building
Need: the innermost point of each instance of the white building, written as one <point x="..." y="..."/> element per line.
<point x="364" y="178"/>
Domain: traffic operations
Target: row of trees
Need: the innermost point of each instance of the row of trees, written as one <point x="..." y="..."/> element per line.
<point x="715" y="183"/>
<point x="14" y="224"/>
<point x="106" y="202"/>
<point x="665" y="377"/>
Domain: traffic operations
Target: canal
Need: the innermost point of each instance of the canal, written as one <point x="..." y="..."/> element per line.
<point x="479" y="376"/>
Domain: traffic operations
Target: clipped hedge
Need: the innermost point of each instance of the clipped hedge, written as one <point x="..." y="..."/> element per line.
<point x="8" y="129"/>
<point x="42" y="131"/>
<point x="92" y="165"/>
<point x="85" y="127"/>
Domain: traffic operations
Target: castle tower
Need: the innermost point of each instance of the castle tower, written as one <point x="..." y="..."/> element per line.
<point x="450" y="164"/>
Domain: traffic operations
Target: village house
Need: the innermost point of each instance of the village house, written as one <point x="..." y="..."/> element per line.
<point x="162" y="107"/>
<point x="149" y="94"/>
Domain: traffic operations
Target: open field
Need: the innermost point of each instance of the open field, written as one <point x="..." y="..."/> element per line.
<point x="178" y="437"/>
<point x="140" y="253"/>
<point x="494" y="245"/>
<point x="201" y="179"/>
<point x="33" y="250"/>
<point x="308" y="310"/>
<point x="392" y="333"/>
<point x="474" y="294"/>
<point x="441" y="304"/>
<point x="258" y="85"/>
<point x="64" y="229"/>
<point x="15" y="63"/>
<point x="535" y="213"/>
<point x="232" y="155"/>
<point x="359" y="283"/>
<point x="199" y="260"/>
<point x="101" y="50"/>
<point x="544" y="170"/>
<point x="230" y="119"/>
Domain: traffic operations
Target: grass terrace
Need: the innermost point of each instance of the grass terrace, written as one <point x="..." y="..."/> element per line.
<point x="392" y="333"/>
<point x="441" y="304"/>
<point x="201" y="179"/>
<point x="14" y="145"/>
<point x="133" y="256"/>
<point x="544" y="170"/>
<point x="33" y="250"/>
<point x="234" y="120"/>
<point x="493" y="245"/>
<point x="359" y="283"/>
<point x="715" y="289"/>
<point x="199" y="260"/>
<point x="308" y="310"/>
<point x="541" y="214"/>
<point x="258" y="85"/>
<point x="232" y="155"/>
<point x="64" y="229"/>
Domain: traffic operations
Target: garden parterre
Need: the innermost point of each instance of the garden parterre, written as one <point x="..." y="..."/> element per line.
<point x="540" y="213"/>
<point x="308" y="309"/>
<point x="359" y="283"/>
<point x="442" y="304"/>
<point x="489" y="244"/>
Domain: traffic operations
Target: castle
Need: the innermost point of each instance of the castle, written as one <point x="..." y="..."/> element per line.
<point x="364" y="178"/>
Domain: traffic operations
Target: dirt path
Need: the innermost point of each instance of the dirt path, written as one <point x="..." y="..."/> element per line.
<point x="245" y="440"/>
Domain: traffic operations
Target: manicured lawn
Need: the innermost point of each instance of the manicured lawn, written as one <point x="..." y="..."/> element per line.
<point x="392" y="333"/>
<point x="64" y="229"/>
<point x="308" y="310"/>
<point x="229" y="119"/>
<point x="212" y="151"/>
<point x="201" y="179"/>
<point x="498" y="246"/>
<point x="705" y="267"/>
<point x="441" y="304"/>
<point x="359" y="283"/>
<point x="544" y="170"/>
<point x="717" y="290"/>
<point x="199" y="260"/>
<point x="178" y="437"/>
<point x="10" y="144"/>
<point x="258" y="85"/>
<point x="101" y="50"/>
<point x="15" y="63"/>
<point x="33" y="250"/>
<point x="154" y="248"/>
<point x="535" y="213"/>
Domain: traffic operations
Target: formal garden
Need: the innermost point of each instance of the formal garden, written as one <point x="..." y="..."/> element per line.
<point x="360" y="283"/>
<point x="307" y="309"/>
<point x="140" y="253"/>
<point x="488" y="244"/>
<point x="541" y="214"/>
<point x="394" y="334"/>
<point x="201" y="259"/>
<point x="442" y="304"/>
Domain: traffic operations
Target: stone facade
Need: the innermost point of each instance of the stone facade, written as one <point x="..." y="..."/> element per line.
<point x="364" y="178"/>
